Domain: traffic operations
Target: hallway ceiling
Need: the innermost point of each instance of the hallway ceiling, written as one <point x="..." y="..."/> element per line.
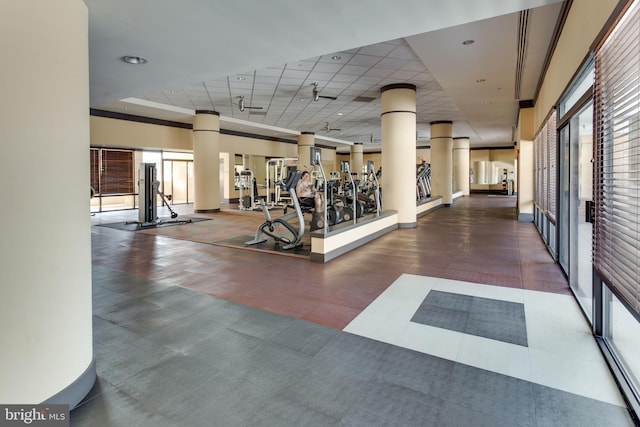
<point x="207" y="54"/>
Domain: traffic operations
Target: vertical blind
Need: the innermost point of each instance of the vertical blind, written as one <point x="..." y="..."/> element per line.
<point x="616" y="232"/>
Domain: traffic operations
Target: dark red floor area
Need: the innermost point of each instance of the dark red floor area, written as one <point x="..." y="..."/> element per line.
<point x="477" y="240"/>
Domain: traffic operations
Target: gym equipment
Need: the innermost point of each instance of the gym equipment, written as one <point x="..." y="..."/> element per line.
<point x="351" y="205"/>
<point x="423" y="181"/>
<point x="369" y="197"/>
<point x="148" y="191"/>
<point x="319" y="215"/>
<point x="247" y="182"/>
<point x="335" y="211"/>
<point x="276" y="171"/>
<point x="279" y="228"/>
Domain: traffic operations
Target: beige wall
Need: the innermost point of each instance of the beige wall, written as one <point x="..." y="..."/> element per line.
<point x="106" y="132"/>
<point x="113" y="133"/>
<point x="491" y="163"/>
<point x="584" y="22"/>
<point x="525" y="164"/>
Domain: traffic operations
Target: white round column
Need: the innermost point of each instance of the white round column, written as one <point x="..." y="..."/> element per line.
<point x="45" y="303"/>
<point x="206" y="161"/>
<point x="399" y="151"/>
<point x="356" y="158"/>
<point x="461" y="165"/>
<point x="442" y="161"/>
<point x="306" y="140"/>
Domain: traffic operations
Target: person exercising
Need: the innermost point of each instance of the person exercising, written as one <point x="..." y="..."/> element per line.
<point x="305" y="190"/>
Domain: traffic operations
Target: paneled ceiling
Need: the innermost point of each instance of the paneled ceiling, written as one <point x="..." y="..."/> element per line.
<point x="472" y="61"/>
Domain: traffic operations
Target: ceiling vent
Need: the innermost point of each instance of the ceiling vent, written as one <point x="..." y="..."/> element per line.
<point x="523" y="29"/>
<point x="363" y="99"/>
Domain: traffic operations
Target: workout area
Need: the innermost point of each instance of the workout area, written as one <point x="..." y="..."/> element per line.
<point x="425" y="214"/>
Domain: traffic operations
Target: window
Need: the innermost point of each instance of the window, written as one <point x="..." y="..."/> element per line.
<point x="617" y="156"/>
<point x="117" y="175"/>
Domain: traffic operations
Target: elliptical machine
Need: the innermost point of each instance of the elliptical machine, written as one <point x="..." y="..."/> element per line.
<point x="279" y="228"/>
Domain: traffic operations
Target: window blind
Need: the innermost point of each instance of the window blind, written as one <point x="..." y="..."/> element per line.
<point x="95" y="169"/>
<point x="552" y="162"/>
<point x="538" y="153"/>
<point x="117" y="173"/>
<point x="616" y="231"/>
<point x="546" y="156"/>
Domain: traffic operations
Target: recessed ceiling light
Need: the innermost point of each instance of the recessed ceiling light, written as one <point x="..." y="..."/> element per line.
<point x="335" y="57"/>
<point x="468" y="42"/>
<point x="239" y="78"/>
<point x="339" y="114"/>
<point x="137" y="60"/>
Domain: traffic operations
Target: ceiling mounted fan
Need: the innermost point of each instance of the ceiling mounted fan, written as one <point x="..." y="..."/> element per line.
<point x="372" y="140"/>
<point x="316" y="93"/>
<point x="243" y="107"/>
<point x="328" y="128"/>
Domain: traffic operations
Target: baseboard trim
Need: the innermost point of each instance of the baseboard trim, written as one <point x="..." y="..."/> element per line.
<point x="73" y="394"/>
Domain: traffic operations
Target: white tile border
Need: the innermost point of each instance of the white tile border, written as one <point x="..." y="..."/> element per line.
<point x="561" y="354"/>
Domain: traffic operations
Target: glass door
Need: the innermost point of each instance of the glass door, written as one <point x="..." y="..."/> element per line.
<point x="178" y="181"/>
<point x="563" y="201"/>
<point x="580" y="203"/>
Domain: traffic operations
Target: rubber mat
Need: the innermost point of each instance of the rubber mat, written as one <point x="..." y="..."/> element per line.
<point x="135" y="226"/>
<point x="482" y="317"/>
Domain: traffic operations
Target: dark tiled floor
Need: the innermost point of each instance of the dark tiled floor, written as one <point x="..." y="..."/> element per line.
<point x="168" y="356"/>
<point x="476" y="241"/>
<point x="482" y="317"/>
<point x="264" y="347"/>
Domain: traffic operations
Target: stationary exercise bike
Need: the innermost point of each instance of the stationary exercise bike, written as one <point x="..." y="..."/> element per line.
<point x="279" y="229"/>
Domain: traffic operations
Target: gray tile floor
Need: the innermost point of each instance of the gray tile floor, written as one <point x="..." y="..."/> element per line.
<point x="167" y="356"/>
<point x="482" y="317"/>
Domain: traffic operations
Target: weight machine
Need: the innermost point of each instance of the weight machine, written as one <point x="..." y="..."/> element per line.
<point x="247" y="182"/>
<point x="277" y="171"/>
<point x="148" y="191"/>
